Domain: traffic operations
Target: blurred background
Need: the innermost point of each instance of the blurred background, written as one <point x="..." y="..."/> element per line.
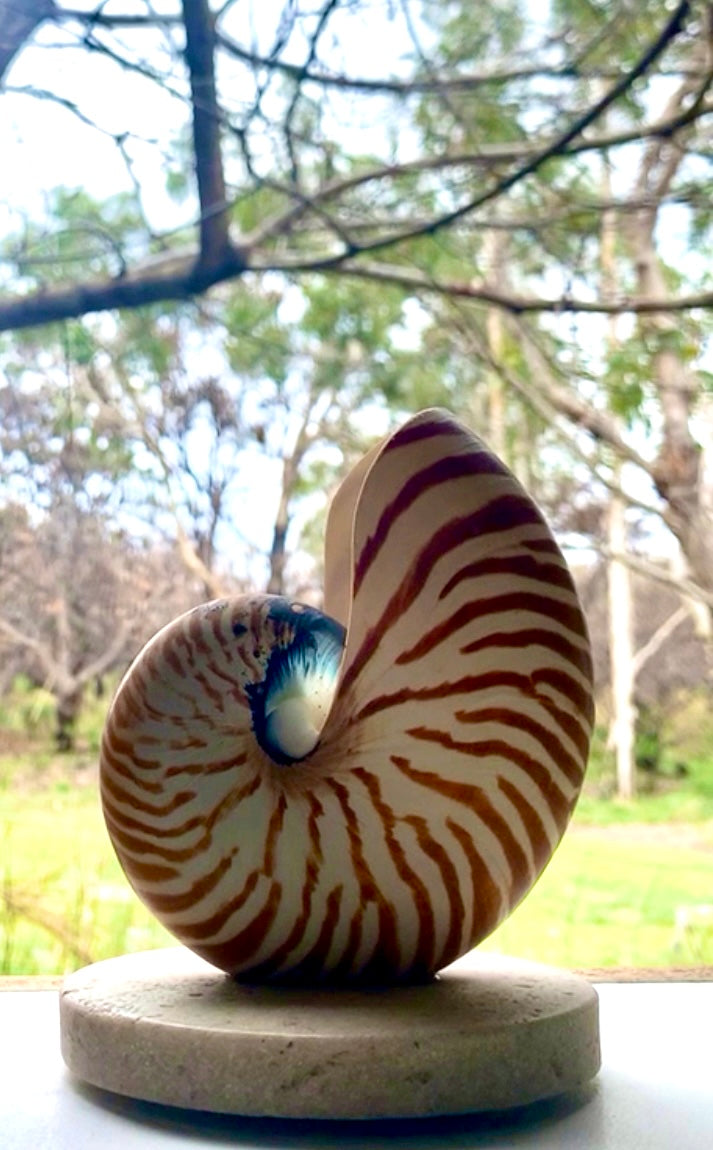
<point x="238" y="242"/>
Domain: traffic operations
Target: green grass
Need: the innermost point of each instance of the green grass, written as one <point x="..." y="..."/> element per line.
<point x="609" y="897"/>
<point x="604" y="900"/>
<point x="64" y="899"/>
<point x="612" y="902"/>
<point x="666" y="805"/>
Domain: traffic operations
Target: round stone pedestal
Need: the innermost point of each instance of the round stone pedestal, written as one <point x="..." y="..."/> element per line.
<point x="487" y="1033"/>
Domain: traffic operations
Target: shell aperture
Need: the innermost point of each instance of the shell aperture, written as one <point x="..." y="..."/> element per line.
<point x="290" y="705"/>
<point x="293" y="799"/>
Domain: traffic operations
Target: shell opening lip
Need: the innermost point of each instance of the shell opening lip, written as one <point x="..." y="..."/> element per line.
<point x="290" y="704"/>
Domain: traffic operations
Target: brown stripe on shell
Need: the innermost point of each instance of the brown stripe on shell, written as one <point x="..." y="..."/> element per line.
<point x="476" y="800"/>
<point x="446" y="470"/>
<point x="388" y="932"/>
<point x="230" y="801"/>
<point x="173" y="902"/>
<point x="139" y="847"/>
<point x="437" y="853"/>
<point x="516" y="681"/>
<point x="408" y="876"/>
<point x="533" y="824"/>
<point x="529" y="685"/>
<point x="273" y="832"/>
<point x="346" y="964"/>
<point x="115" y="752"/>
<point x="494" y="749"/>
<point x="566" y="615"/>
<point x="146" y="872"/>
<point x="110" y="795"/>
<point x="524" y="637"/>
<point x="243" y="945"/>
<point x="580" y="697"/>
<point x="203" y="768"/>
<point x="282" y="952"/>
<point x="313" y="964"/>
<point x="423" y="428"/>
<point x="552" y="574"/>
<point x="521" y="721"/>
<point x="128" y="798"/>
<point x="502" y="513"/>
<point x="487" y="897"/>
<point x="213" y="925"/>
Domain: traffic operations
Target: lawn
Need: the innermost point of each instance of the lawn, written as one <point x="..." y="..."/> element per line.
<point x="65" y="900"/>
<point x="609" y="897"/>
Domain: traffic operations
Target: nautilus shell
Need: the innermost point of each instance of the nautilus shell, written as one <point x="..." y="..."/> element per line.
<point x="368" y="792"/>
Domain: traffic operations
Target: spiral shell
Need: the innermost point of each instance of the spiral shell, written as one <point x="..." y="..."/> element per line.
<point x="369" y="792"/>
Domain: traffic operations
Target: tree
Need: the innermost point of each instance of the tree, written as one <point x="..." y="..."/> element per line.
<point x="171" y="410"/>
<point x="494" y="119"/>
<point x="315" y="206"/>
<point x="77" y="602"/>
<point x="77" y="593"/>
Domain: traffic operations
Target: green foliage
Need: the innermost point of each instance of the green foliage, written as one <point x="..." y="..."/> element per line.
<point x="258" y="344"/>
<point x="147" y="344"/>
<point x="675" y="766"/>
<point x="27" y="726"/>
<point x="26" y="709"/>
<point x="83" y="237"/>
<point x="626" y="378"/>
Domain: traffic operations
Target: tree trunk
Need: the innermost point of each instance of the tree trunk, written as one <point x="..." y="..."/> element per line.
<point x="621" y="656"/>
<point x="493" y="258"/>
<point x="681" y="473"/>
<point x="278" y="547"/>
<point x="68" y="709"/>
<point x="622" y="733"/>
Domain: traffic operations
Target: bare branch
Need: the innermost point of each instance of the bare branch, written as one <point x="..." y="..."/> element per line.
<point x="61" y="101"/>
<point x="99" y="19"/>
<point x="553" y="403"/>
<point x="659" y="637"/>
<point x="199" y="53"/>
<point x="556" y="148"/>
<point x="20" y="639"/>
<point x="17" y="24"/>
<point x="299" y="77"/>
<point x="498" y="74"/>
<point x="600" y="424"/>
<point x="342" y="246"/>
<point x="416" y="281"/>
<point x="109" y="657"/>
<point x="178" y="279"/>
<point x="488" y="155"/>
<point x="173" y="278"/>
<point x="659" y="575"/>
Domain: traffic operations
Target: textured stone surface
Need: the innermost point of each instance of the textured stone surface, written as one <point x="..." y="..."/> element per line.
<point x="488" y="1033"/>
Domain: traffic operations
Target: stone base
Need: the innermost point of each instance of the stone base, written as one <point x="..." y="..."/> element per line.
<point x="487" y="1034"/>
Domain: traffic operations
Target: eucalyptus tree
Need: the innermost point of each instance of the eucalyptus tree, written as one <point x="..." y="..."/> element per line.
<point x="313" y="152"/>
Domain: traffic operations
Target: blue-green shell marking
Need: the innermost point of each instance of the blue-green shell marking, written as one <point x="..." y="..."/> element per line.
<point x="289" y="705"/>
